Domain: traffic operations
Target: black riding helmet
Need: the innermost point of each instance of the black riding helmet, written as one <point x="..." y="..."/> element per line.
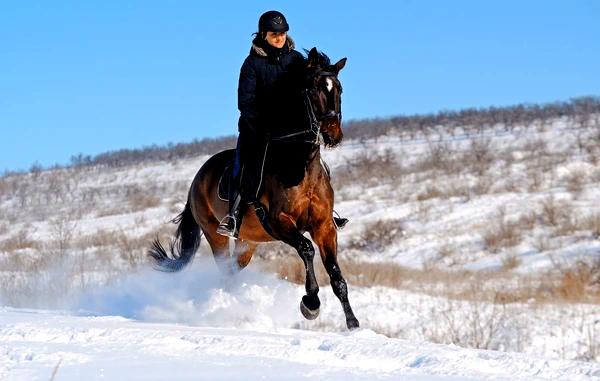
<point x="272" y="21"/>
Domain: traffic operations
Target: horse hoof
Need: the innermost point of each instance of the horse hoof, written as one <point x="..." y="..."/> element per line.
<point x="309" y="314"/>
<point x="352" y="324"/>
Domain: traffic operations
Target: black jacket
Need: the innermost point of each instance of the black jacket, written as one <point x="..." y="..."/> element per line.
<point x="270" y="88"/>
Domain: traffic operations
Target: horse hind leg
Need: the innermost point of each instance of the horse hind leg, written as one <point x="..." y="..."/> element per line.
<point x="230" y="259"/>
<point x="243" y="252"/>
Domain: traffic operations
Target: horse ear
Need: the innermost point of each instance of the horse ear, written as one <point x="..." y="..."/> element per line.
<point x="313" y="58"/>
<point x="340" y="64"/>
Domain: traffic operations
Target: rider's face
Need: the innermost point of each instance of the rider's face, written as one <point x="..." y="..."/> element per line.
<point x="276" y="39"/>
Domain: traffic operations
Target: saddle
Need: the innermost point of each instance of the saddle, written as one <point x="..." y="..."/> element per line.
<point x="224" y="184"/>
<point x="223" y="194"/>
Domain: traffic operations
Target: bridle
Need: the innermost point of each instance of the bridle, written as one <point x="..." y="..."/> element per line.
<point x="314" y="122"/>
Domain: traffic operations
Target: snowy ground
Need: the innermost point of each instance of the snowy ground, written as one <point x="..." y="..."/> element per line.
<point x="34" y="344"/>
<point x="198" y="325"/>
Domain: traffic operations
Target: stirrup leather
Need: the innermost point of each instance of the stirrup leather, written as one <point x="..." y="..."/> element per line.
<point x="229" y="225"/>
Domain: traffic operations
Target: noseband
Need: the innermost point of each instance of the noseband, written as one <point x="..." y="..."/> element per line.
<point x="314" y="122"/>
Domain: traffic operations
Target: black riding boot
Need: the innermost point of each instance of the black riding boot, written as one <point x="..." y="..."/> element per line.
<point x="230" y="224"/>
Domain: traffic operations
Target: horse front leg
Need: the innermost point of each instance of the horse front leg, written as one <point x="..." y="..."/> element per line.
<point x="287" y="232"/>
<point x="326" y="239"/>
<point x="310" y="303"/>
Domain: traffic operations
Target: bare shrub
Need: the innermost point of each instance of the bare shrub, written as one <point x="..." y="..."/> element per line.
<point x="535" y="148"/>
<point x="510" y="262"/>
<point x="440" y="156"/>
<point x="575" y="182"/>
<point x="479" y="155"/>
<point x="62" y="231"/>
<point x="554" y="212"/>
<point x="446" y="252"/>
<point x="128" y="247"/>
<point x="98" y="238"/>
<point x="483" y="185"/>
<point x="24" y="263"/>
<point x="378" y="235"/>
<point x="502" y="234"/>
<point x="536" y="180"/>
<point x="568" y="226"/>
<point x="19" y="240"/>
<point x="473" y="324"/>
<point x="458" y="188"/>
<point x="132" y="249"/>
<point x="372" y="166"/>
<point x="580" y="282"/>
<point x="592" y="150"/>
<point x="543" y="243"/>
<point x="560" y="216"/>
<point x="592" y="223"/>
<point x="141" y="200"/>
<point x="111" y="211"/>
<point x="430" y="192"/>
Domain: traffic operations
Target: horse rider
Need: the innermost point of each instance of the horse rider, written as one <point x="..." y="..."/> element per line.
<point x="268" y="78"/>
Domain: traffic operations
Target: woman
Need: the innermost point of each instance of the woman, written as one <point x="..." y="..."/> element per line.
<point x="267" y="91"/>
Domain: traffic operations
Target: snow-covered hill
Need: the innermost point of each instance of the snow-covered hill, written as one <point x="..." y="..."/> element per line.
<point x="483" y="240"/>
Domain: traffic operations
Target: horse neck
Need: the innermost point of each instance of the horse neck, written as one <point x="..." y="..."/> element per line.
<point x="292" y="162"/>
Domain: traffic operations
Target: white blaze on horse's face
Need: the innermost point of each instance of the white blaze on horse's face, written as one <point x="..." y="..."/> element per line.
<point x="329" y="84"/>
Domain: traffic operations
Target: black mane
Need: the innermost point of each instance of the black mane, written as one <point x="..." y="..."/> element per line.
<point x="324" y="60"/>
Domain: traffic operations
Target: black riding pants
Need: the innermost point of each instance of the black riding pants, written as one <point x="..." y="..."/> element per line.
<point x="249" y="163"/>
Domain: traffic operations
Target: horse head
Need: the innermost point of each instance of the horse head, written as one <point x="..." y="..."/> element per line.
<point x="324" y="91"/>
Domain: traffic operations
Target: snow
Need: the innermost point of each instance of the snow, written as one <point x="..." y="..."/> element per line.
<point x="34" y="342"/>
<point x="199" y="325"/>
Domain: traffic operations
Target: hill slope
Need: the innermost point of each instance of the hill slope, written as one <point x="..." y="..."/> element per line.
<point x="482" y="235"/>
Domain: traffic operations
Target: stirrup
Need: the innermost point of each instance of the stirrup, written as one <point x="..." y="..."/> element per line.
<point x="338" y="221"/>
<point x="228" y="227"/>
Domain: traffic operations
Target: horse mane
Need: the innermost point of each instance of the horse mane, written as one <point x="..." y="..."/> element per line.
<point x="323" y="58"/>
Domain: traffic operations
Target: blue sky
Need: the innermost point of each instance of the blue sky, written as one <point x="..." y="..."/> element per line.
<point x="93" y="76"/>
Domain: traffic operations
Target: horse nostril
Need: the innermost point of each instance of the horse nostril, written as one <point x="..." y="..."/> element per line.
<point x="330" y="114"/>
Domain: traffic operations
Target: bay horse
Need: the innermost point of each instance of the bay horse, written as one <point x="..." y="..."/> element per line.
<point x="296" y="196"/>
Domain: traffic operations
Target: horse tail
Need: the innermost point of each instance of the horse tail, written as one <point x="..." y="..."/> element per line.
<point x="183" y="246"/>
